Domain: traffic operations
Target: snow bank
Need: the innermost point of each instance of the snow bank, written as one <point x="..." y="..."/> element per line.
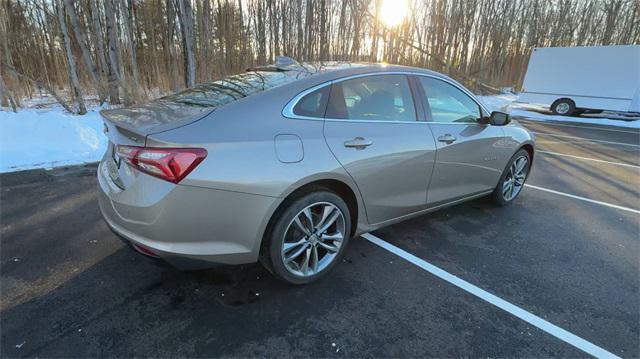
<point x="37" y="138"/>
<point x="506" y="103"/>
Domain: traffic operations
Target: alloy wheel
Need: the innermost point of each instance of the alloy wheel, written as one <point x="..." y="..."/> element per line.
<point x="563" y="108"/>
<point x="313" y="239"/>
<point x="514" y="181"/>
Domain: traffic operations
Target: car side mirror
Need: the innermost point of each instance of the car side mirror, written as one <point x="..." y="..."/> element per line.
<point x="498" y="118"/>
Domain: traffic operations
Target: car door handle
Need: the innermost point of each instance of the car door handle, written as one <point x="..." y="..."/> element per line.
<point x="448" y="138"/>
<point x="359" y="143"/>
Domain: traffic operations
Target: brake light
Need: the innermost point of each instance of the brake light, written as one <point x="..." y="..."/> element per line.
<point x="170" y="164"/>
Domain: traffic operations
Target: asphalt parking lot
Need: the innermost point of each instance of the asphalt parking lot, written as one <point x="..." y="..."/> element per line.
<point x="566" y="251"/>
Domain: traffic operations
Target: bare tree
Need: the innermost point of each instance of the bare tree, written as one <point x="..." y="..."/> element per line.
<point x="126" y="49"/>
<point x="5" y="97"/>
<point x="116" y="78"/>
<point x="73" y="73"/>
<point x="127" y="7"/>
<point x="186" y="25"/>
<point x="98" y="36"/>
<point x="86" y="56"/>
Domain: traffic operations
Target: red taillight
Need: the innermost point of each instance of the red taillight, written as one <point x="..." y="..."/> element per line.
<point x="170" y="164"/>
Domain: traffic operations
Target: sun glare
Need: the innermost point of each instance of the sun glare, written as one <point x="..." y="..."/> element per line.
<point x="393" y="12"/>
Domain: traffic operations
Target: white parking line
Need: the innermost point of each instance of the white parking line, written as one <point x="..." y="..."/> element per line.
<point x="587" y="159"/>
<point x="585" y="139"/>
<point x="584" y="199"/>
<point x="530" y="318"/>
<point x="586" y="127"/>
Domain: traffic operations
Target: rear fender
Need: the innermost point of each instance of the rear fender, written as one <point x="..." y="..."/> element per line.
<point x="339" y="175"/>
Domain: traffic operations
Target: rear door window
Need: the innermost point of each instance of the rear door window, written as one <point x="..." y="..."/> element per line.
<point x="372" y="98"/>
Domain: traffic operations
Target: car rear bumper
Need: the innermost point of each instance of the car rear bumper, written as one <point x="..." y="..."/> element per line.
<point x="163" y="259"/>
<point x="188" y="227"/>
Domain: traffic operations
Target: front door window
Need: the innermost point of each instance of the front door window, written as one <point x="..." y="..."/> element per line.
<point x="448" y="104"/>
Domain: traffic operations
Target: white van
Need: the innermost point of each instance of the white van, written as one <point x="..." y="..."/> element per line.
<point x="574" y="80"/>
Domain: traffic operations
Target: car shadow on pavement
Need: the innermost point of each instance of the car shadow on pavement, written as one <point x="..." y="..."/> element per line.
<point x="125" y="306"/>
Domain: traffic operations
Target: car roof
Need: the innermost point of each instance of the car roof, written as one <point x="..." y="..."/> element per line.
<point x="285" y="73"/>
<point x="306" y="75"/>
<point x="340" y="69"/>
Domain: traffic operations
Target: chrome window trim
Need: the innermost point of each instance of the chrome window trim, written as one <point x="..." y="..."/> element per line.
<point x="370" y="121"/>
<point x="458" y="123"/>
<point x="287" y="111"/>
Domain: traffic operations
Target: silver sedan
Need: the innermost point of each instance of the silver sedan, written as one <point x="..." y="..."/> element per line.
<point x="284" y="164"/>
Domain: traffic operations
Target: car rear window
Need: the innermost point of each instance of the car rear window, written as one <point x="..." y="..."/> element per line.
<point x="230" y="89"/>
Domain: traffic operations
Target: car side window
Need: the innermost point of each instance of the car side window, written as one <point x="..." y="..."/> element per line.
<point x="374" y="98"/>
<point x="313" y="104"/>
<point x="448" y="103"/>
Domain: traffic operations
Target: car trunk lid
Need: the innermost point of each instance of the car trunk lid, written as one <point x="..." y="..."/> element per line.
<point x="131" y="125"/>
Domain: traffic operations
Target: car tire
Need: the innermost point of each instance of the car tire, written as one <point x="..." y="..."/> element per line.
<point x="563" y="107"/>
<point x="292" y="232"/>
<point x="500" y="195"/>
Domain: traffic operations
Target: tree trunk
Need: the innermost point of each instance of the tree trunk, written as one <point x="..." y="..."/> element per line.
<point x="127" y="9"/>
<point x="5" y="97"/>
<point x="169" y="44"/>
<point x="97" y="28"/>
<point x="116" y="80"/>
<point x="300" y="34"/>
<point x="40" y="84"/>
<point x="186" y="25"/>
<point x="86" y="56"/>
<point x="73" y="74"/>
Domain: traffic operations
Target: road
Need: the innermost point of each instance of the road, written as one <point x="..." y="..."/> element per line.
<point x="565" y="251"/>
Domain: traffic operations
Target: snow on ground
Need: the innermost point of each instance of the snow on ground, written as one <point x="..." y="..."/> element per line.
<point x="49" y="137"/>
<point x="506" y="103"/>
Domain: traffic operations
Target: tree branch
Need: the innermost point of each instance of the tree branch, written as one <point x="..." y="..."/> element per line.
<point x="39" y="84"/>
